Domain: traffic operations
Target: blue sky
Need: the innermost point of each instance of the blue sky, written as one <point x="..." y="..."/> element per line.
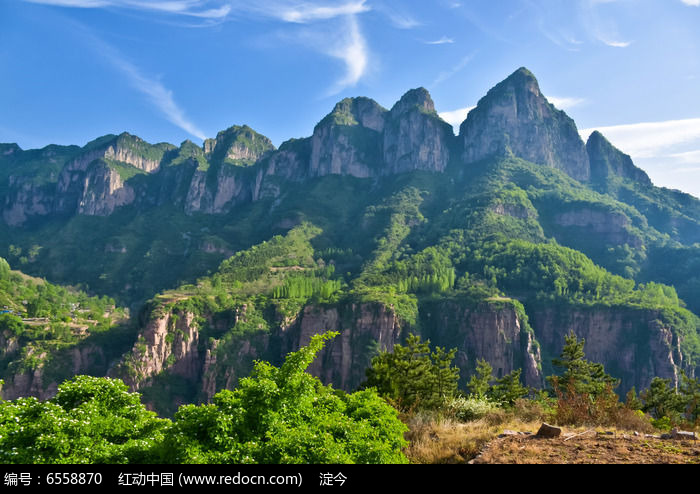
<point x="169" y="70"/>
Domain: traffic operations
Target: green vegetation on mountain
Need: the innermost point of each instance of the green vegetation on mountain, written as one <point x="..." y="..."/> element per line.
<point x="383" y="226"/>
<point x="41" y="324"/>
<point x="277" y="415"/>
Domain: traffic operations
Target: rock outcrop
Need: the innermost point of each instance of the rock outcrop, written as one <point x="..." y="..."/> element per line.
<point x="169" y="342"/>
<point x="606" y="161"/>
<point x="611" y="228"/>
<point x="515" y="118"/>
<point x="238" y="144"/>
<point x="415" y="138"/>
<point x="41" y="384"/>
<point x="633" y="345"/>
<point x="348" y="141"/>
<point x="492" y="332"/>
<point x="358" y="138"/>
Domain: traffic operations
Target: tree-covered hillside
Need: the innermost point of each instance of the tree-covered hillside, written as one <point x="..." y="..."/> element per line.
<point x="383" y="223"/>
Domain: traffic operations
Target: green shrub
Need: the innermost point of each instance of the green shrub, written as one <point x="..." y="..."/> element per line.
<point x="472" y="408"/>
<point x="284" y="415"/>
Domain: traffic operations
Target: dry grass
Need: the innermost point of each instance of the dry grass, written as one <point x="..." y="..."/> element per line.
<point x="442" y="441"/>
<point x="619" y="448"/>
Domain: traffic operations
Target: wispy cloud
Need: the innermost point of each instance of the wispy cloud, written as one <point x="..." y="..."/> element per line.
<point x="304" y="12"/>
<point x="160" y="96"/>
<point x="442" y="41"/>
<point x="192" y="8"/>
<point x="345" y="41"/>
<point x="600" y="26"/>
<point x="614" y="43"/>
<point x="456" y="117"/>
<point x="565" y="103"/>
<point x="668" y="151"/>
<point x="692" y="3"/>
<point x="446" y="74"/>
<point x="649" y="139"/>
<point x="153" y="89"/>
<point x="352" y="50"/>
<point x="397" y="14"/>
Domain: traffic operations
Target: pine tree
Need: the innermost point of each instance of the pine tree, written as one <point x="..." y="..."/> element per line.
<point x="508" y="389"/>
<point x="480" y="382"/>
<point x="580" y="375"/>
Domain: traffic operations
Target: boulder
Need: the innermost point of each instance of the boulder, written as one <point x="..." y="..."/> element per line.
<point x="548" y="431"/>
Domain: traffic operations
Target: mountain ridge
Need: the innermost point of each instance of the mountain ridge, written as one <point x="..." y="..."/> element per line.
<point x="376" y="225"/>
<point x="357" y="138"/>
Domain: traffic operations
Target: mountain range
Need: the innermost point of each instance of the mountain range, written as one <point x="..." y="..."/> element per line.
<point x="497" y="241"/>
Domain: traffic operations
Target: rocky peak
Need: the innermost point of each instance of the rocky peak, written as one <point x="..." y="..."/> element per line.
<point x="9" y="150"/>
<point x="348" y="140"/>
<point x="607" y="160"/>
<point x="514" y="117"/>
<point x="418" y="98"/>
<point x="238" y="145"/>
<point x="415" y="137"/>
<point x="356" y="111"/>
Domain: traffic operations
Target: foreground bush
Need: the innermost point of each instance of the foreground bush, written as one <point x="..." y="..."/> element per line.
<point x="90" y="420"/>
<point x="284" y="415"/>
<point x="277" y="415"/>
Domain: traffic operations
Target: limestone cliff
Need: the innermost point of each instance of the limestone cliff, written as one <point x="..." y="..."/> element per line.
<point x="40" y="382"/>
<point x="610" y="227"/>
<point x="348" y="140"/>
<point x="491" y="331"/>
<point x="415" y="138"/>
<point x="238" y="144"/>
<point x="606" y="161"/>
<point x="633" y="345"/>
<point x="358" y="138"/>
<point x="514" y="117"/>
<point x="169" y="342"/>
<point x="104" y="190"/>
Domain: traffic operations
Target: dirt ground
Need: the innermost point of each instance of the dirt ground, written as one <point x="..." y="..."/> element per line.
<point x="589" y="448"/>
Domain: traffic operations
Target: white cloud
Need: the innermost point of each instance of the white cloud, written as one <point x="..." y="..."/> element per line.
<point x="446" y="74"/>
<point x="649" y="139"/>
<point x="304" y="12"/>
<point x="688" y="157"/>
<point x="615" y="44"/>
<point x="398" y="17"/>
<point x="442" y="41"/>
<point x="352" y="50"/>
<point x="456" y="117"/>
<point x="600" y="26"/>
<point x="159" y="95"/>
<point x="565" y="103"/>
<point x="668" y="151"/>
<point x="193" y="8"/>
<point x="692" y="3"/>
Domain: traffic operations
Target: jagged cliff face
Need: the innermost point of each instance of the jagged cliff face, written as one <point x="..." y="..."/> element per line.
<point x="606" y="160"/>
<point x="348" y="140"/>
<point x="415" y="137"/>
<point x="514" y="117"/>
<point x="173" y="343"/>
<point x="25" y="200"/>
<point x="358" y="138"/>
<point x="238" y="144"/>
<point x="103" y="191"/>
<point x="170" y="343"/>
<point x="488" y="331"/>
<point x="609" y="227"/>
<point x="344" y="360"/>
<point x="633" y="345"/>
<point x="36" y="382"/>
